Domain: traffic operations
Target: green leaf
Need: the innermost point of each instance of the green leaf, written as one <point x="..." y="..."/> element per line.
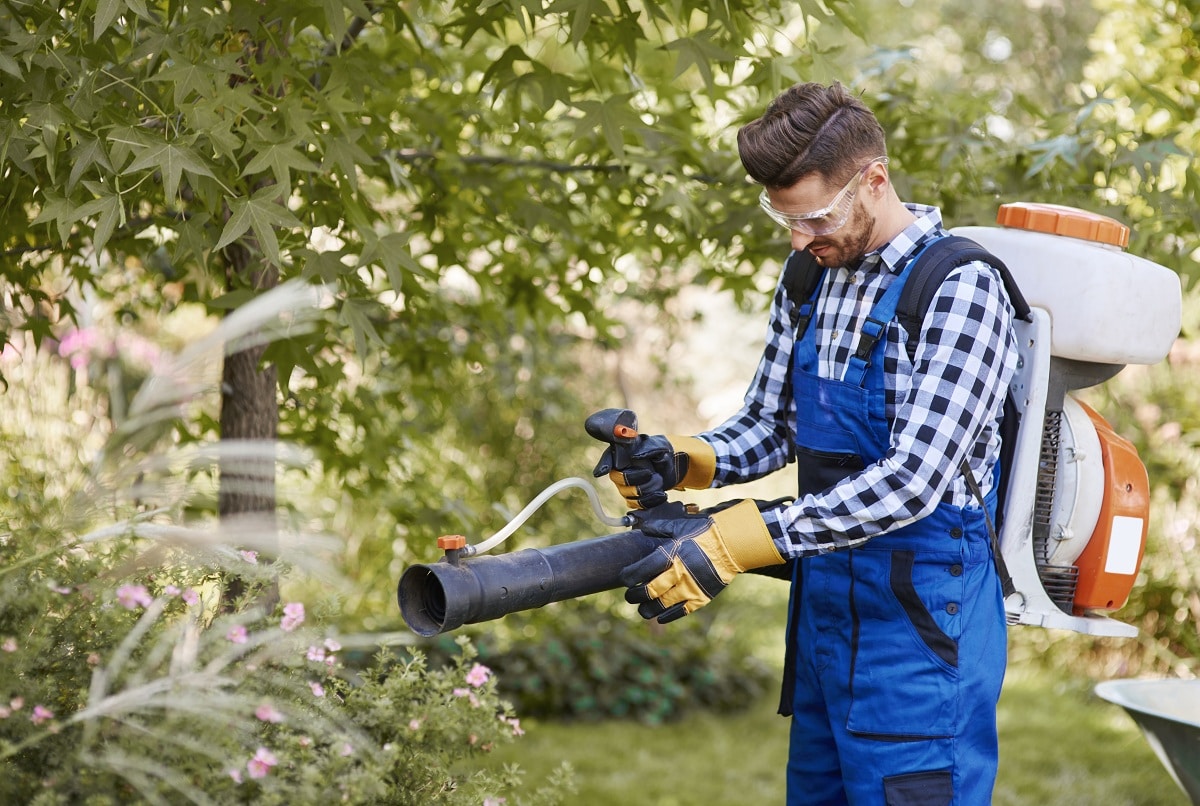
<point x="581" y="17"/>
<point x="1063" y="147"/>
<point x="354" y="315"/>
<point x="611" y="116"/>
<point x="335" y="16"/>
<point x="58" y="208"/>
<point x="187" y="80"/>
<point x="171" y="160"/>
<point x="280" y="158"/>
<point x="106" y="13"/>
<point x="9" y="65"/>
<point x="396" y="255"/>
<point x="231" y="301"/>
<point x="111" y="213"/>
<point x="344" y="153"/>
<point x="87" y="152"/>
<point x="847" y="14"/>
<point x="699" y="51"/>
<point x="259" y="215"/>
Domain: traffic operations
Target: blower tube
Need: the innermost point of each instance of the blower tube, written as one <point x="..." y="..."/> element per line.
<point x="443" y="596"/>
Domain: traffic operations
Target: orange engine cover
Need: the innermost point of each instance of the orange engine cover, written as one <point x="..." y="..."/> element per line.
<point x="1109" y="563"/>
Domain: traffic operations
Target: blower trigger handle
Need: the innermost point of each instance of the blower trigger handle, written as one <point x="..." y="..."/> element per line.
<point x="618" y="428"/>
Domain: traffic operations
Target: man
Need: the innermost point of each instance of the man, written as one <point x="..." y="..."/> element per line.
<point x="896" y="640"/>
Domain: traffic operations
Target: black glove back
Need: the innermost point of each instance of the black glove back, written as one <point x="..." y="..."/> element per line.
<point x="653" y="468"/>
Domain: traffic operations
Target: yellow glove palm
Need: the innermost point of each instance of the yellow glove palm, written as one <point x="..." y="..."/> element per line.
<point x="700" y="556"/>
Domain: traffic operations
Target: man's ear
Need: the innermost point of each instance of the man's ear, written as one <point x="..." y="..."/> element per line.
<point x="877" y="180"/>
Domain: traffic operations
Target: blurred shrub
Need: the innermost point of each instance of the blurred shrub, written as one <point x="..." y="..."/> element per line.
<point x="122" y="680"/>
<point x="588" y="664"/>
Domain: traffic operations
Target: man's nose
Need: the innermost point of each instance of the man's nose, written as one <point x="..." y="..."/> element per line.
<point x="800" y="240"/>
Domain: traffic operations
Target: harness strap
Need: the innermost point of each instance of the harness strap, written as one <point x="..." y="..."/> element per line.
<point x="1006" y="583"/>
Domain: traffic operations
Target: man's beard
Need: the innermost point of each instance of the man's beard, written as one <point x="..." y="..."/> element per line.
<point x="850" y="243"/>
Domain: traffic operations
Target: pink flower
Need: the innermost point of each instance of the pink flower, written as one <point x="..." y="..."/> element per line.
<point x="479" y="675"/>
<point x="494" y="801"/>
<point x="315" y="653"/>
<point x="261" y="764"/>
<point x="414" y="724"/>
<point x="267" y="713"/>
<point x="171" y="590"/>
<point x="304" y="741"/>
<point x="249" y="556"/>
<point x="138" y="350"/>
<point x="41" y="714"/>
<point x="77" y="345"/>
<point x="470" y="695"/>
<point x="9" y="645"/>
<point x="131" y="596"/>
<point x="190" y="597"/>
<point x="347" y="749"/>
<point x="237" y="634"/>
<point x="515" y="724"/>
<point x="293" y="616"/>
<point x="236" y="775"/>
<point x="317" y="689"/>
<point x="5" y="712"/>
<point x="332" y="645"/>
<point x="17" y="703"/>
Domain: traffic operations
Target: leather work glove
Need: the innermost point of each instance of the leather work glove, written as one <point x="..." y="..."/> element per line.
<point x="700" y="555"/>
<point x="657" y="464"/>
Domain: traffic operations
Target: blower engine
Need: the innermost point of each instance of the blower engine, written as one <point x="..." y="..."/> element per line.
<point x="1077" y="513"/>
<point x="1077" y="509"/>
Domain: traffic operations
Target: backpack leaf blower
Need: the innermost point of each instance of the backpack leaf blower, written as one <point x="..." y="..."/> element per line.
<point x="1076" y="512"/>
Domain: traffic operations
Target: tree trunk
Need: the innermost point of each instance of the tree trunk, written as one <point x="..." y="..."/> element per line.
<point x="249" y="413"/>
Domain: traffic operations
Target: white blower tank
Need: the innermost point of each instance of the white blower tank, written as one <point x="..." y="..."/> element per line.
<point x="1106" y="305"/>
<point x="1077" y="511"/>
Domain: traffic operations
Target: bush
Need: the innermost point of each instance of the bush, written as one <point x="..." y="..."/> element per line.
<point x="124" y="677"/>
<point x="588" y="664"/>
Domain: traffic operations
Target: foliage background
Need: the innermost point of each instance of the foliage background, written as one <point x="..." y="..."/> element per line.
<point x="519" y="213"/>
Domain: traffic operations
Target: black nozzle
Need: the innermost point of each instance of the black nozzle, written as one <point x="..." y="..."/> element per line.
<point x="439" y="597"/>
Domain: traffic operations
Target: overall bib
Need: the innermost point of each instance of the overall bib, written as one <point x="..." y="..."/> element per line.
<point x="898" y="647"/>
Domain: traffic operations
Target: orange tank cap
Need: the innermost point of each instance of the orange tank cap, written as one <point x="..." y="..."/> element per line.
<point x="1058" y="219"/>
<point x="450" y="542"/>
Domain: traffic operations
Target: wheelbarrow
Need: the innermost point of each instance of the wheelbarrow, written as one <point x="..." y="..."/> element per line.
<point x="1168" y="712"/>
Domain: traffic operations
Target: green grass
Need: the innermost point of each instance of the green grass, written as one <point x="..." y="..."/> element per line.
<point x="1059" y="744"/>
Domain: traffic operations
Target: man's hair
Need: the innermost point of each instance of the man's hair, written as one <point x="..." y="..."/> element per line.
<point x="810" y="129"/>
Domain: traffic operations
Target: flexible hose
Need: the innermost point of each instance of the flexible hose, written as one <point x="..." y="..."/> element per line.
<point x="536" y="503"/>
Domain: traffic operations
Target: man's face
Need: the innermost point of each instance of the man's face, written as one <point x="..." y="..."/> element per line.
<point x="844" y="246"/>
<point x="847" y="241"/>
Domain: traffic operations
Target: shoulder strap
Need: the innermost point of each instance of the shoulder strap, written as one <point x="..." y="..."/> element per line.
<point x="934" y="265"/>
<point x="801" y="274"/>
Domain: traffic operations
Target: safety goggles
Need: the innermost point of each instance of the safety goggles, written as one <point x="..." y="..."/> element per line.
<point x="827" y="219"/>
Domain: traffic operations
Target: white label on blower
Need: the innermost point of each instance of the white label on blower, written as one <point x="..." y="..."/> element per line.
<point x="1124" y="545"/>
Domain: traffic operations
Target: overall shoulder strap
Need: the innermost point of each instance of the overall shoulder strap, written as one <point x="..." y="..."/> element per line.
<point x="934" y="265"/>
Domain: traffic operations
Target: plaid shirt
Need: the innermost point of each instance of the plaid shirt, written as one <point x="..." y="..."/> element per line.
<point x="941" y="410"/>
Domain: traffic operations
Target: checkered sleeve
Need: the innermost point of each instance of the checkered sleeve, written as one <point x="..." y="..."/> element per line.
<point x="758" y="438"/>
<point x="964" y="362"/>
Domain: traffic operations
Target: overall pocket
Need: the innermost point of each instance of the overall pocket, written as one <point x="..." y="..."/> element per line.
<point x="904" y="671"/>
<point x="817" y="471"/>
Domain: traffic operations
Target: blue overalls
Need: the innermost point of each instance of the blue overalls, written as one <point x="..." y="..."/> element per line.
<point x="898" y="647"/>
